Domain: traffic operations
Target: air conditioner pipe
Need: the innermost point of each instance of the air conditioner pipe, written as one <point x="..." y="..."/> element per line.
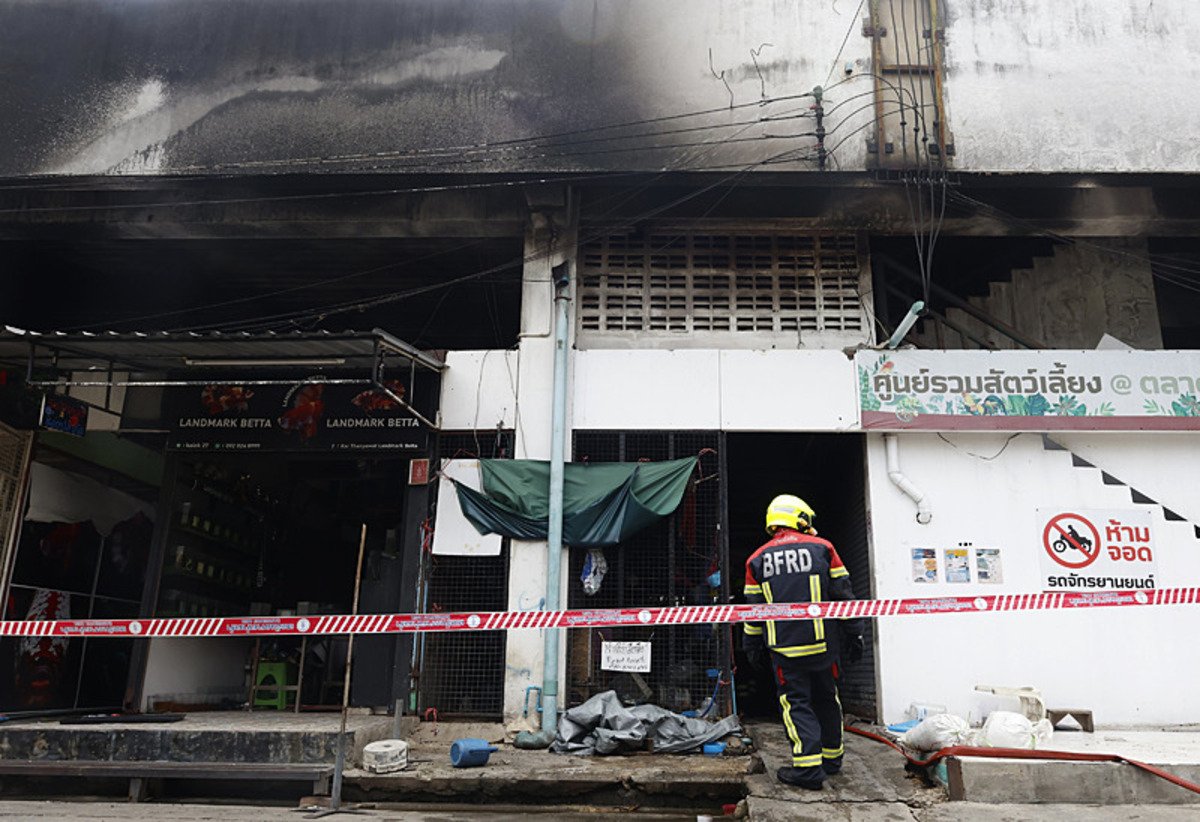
<point x="924" y="509"/>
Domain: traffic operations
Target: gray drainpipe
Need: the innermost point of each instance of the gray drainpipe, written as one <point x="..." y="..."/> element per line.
<point x="561" y="277"/>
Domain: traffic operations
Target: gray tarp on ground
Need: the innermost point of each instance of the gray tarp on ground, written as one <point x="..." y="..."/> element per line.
<point x="602" y="725"/>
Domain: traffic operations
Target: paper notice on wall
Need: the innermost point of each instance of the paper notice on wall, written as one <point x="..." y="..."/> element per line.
<point x="924" y="565"/>
<point x="988" y="569"/>
<point x="630" y="657"/>
<point x="453" y="533"/>
<point x="958" y="564"/>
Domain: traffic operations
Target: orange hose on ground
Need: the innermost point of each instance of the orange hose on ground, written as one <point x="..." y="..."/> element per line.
<point x="1021" y="753"/>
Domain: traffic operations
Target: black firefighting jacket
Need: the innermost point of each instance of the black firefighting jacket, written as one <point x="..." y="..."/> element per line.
<point x="796" y="567"/>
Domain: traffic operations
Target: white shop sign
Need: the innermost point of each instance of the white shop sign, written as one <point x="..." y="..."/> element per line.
<point x="1096" y="549"/>
<point x="1029" y="390"/>
<point x="630" y="657"/>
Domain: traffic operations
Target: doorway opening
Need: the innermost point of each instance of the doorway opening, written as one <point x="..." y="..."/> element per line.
<point x="828" y="471"/>
<point x="274" y="535"/>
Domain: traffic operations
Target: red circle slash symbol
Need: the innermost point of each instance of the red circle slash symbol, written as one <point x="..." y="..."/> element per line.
<point x="1071" y="541"/>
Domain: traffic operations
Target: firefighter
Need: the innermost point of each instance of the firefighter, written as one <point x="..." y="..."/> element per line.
<point x="798" y="566"/>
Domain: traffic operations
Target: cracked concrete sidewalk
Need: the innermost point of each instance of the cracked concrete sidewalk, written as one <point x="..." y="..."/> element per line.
<point x="874" y="787"/>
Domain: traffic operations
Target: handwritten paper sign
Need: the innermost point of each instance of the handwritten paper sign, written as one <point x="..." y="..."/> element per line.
<point x="631" y="657"/>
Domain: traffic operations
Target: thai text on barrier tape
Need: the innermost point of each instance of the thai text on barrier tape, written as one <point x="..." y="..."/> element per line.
<point x="592" y="618"/>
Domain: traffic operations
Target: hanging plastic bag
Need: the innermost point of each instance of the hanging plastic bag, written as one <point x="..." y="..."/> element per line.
<point x="937" y="732"/>
<point x="594" y="569"/>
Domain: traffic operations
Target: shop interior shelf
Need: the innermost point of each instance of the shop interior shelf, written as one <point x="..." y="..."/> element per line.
<point x="187" y="582"/>
<point x="244" y="550"/>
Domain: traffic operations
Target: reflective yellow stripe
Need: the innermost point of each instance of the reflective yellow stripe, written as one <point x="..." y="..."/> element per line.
<point x="793" y="651"/>
<point x="837" y="698"/>
<point x="834" y="573"/>
<point x="814" y="594"/>
<point x="766" y="590"/>
<point x="806" y="761"/>
<point x="793" y="734"/>
<point x="832" y="753"/>
<point x="752" y="589"/>
<point x="752" y="630"/>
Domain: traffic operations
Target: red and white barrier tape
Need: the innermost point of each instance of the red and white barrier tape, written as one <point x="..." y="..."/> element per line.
<point x="520" y="620"/>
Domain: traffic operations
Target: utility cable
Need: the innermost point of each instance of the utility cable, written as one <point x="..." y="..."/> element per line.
<point x="363" y="305"/>
<point x="845" y="40"/>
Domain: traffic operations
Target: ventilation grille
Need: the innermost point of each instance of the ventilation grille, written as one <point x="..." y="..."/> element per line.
<point x="749" y="283"/>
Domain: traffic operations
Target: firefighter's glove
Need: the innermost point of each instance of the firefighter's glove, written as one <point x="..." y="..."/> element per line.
<point x="854" y="649"/>
<point x="759" y="658"/>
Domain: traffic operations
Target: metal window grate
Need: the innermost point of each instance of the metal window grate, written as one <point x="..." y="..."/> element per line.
<point x="463" y="674"/>
<point x="749" y="283"/>
<point x="666" y="564"/>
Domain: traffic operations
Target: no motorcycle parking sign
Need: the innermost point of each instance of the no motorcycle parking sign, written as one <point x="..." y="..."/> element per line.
<point x="1111" y="550"/>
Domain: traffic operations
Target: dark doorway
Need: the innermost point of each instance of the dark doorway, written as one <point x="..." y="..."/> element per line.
<point x="828" y="472"/>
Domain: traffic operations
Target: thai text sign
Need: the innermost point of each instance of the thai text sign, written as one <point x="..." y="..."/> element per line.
<point x="631" y="657"/>
<point x="1029" y="390"/>
<point x="1097" y="550"/>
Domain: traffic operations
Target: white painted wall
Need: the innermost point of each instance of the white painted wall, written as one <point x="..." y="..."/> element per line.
<point x="479" y="390"/>
<point x="1031" y="85"/>
<point x="710" y="390"/>
<point x="195" y="670"/>
<point x="1131" y="666"/>
<point x="1072" y="85"/>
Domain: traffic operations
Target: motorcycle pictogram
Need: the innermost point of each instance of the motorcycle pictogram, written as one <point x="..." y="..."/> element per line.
<point x="1077" y="541"/>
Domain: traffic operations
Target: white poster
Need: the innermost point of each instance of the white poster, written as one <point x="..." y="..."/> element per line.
<point x="1096" y="549"/>
<point x="454" y="535"/>
<point x="924" y="565"/>
<point x="988" y="566"/>
<point x="631" y="657"/>
<point x="958" y="564"/>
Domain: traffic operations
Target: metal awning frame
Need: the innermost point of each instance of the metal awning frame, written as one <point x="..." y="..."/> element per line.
<point x="382" y="342"/>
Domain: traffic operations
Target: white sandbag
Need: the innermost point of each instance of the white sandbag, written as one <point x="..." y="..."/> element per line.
<point x="1005" y="729"/>
<point x="937" y="732"/>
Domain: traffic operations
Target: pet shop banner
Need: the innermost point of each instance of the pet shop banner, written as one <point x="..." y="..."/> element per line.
<point x="1029" y="390"/>
<point x="306" y="416"/>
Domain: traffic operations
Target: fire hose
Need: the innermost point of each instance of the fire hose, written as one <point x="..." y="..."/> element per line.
<point x="1021" y="753"/>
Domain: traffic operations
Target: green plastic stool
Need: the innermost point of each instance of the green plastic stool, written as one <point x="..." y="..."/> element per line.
<point x="269" y="689"/>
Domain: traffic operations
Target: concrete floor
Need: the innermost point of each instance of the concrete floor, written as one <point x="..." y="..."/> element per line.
<point x="43" y="811"/>
<point x="1180" y="746"/>
<point x="873" y="786"/>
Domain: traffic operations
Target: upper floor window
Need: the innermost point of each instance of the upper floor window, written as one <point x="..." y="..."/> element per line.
<point x="706" y="290"/>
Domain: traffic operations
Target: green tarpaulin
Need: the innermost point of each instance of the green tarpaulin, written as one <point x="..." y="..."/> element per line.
<point x="603" y="503"/>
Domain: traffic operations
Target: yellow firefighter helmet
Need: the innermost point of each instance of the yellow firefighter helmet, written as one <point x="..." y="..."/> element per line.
<point x="790" y="512"/>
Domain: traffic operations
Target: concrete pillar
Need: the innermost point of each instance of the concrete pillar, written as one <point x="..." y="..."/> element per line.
<point x="550" y="238"/>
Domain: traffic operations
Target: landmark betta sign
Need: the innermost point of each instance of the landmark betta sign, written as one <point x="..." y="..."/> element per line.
<point x="310" y="415"/>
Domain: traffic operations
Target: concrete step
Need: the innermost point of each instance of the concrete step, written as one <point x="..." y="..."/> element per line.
<point x="274" y="738"/>
<point x="997" y="781"/>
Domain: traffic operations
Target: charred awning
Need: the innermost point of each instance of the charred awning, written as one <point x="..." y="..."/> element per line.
<point x="376" y="359"/>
